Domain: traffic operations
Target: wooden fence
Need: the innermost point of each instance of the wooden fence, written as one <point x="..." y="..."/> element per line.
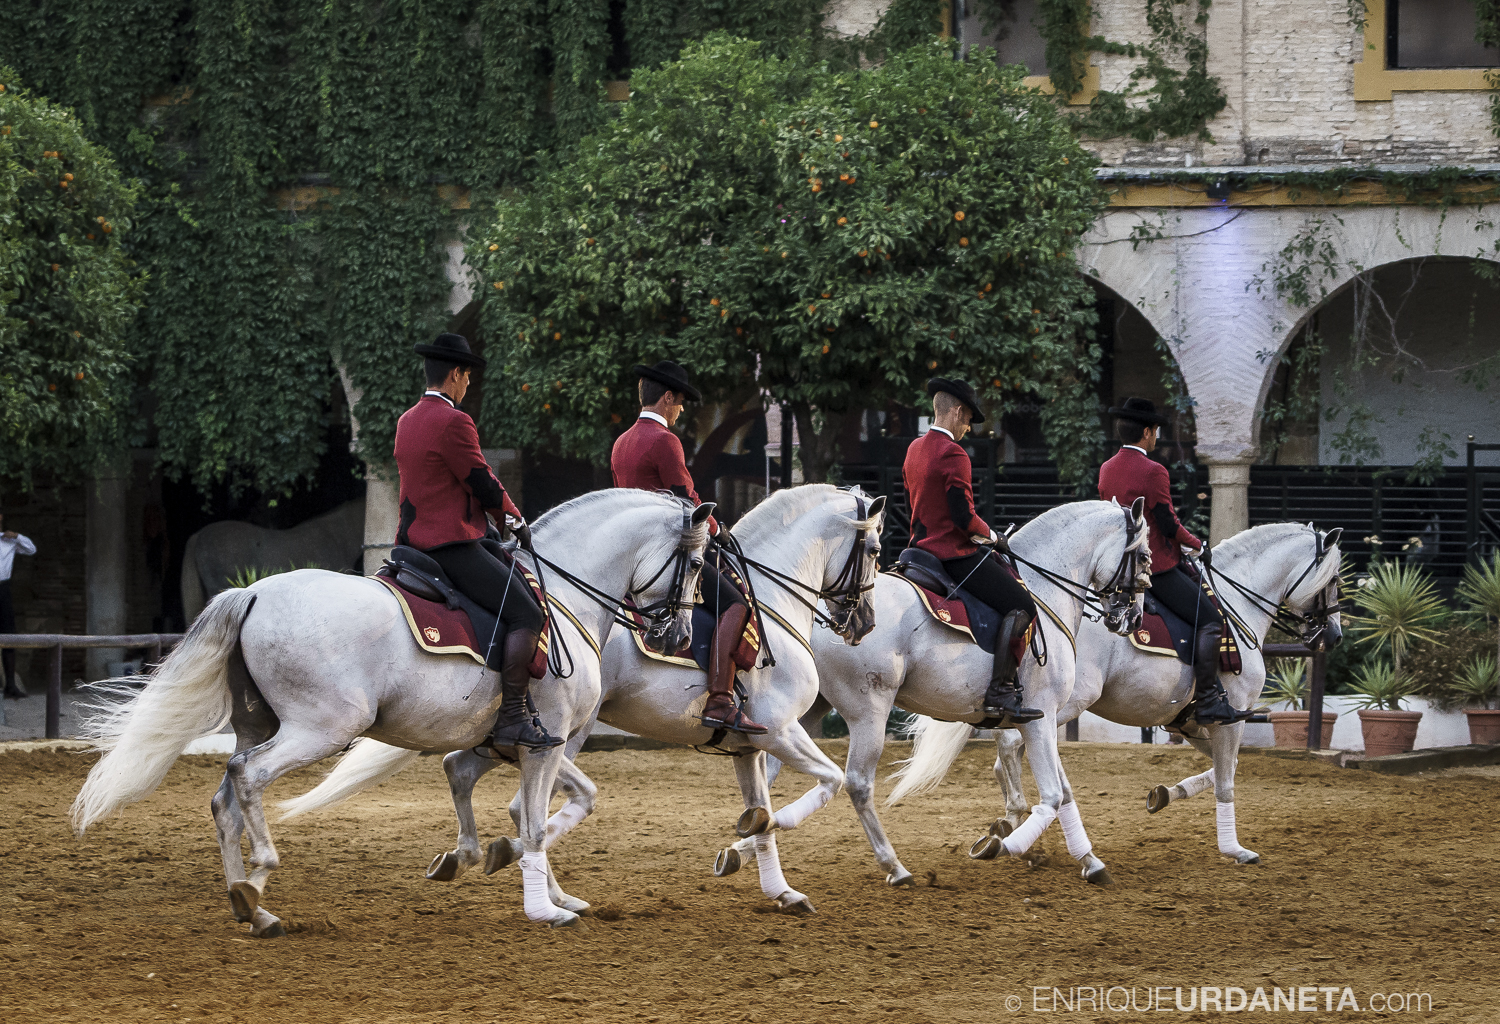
<point x="151" y="643"/>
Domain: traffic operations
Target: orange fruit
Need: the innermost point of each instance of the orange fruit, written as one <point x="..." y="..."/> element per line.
<point x="921" y="110"/>
<point x="713" y="302"/>
<point x="989" y="287"/>
<point x="817" y="188"/>
<point x="783" y="255"/>
<point x="738" y="331"/>
<point x="963" y="241"/>
<point x="827" y="295"/>
<point x="56" y="266"/>
<point x="499" y="284"/>
<point x="557" y="385"/>
<point x="78" y="375"/>
<point x="863" y="253"/>
<point x="825" y="350"/>
<point x="108" y="228"/>
<point x="90" y="236"/>
<point x="723" y="313"/>
<point x="843" y="221"/>
<point x="67" y="177"/>
<point x="959" y="216"/>
<point x="5" y="130"/>
<point x="591" y="241"/>
<point x="62" y="184"/>
<point x="557" y="335"/>
<point x="996" y="382"/>
<point x="812" y="309"/>
<point x="843" y="177"/>
<point x="838" y="138"/>
<point x="493" y="247"/>
<point x="1036" y="312"/>
<point x="874" y="124"/>
<point x="51" y="387"/>
<point x="525" y="387"/>
<point x="546" y="407"/>
<point x="932" y="364"/>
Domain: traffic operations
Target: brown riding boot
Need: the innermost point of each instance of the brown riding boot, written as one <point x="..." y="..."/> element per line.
<point x="721" y="712"/>
<point x="1003" y="698"/>
<point x="517" y="724"/>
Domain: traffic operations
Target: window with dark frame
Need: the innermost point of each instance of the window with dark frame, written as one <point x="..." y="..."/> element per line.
<point x="1434" y="34"/>
<point x="1016" y="38"/>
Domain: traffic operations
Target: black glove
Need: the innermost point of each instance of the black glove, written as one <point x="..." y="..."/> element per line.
<point x="1206" y="556"/>
<point x="1001" y="544"/>
<point x="523" y="534"/>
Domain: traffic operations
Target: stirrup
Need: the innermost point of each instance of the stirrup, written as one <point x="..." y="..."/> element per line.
<point x="735" y="721"/>
<point x="521" y="734"/>
<point x="1213" y="708"/>
<point x="1004" y="702"/>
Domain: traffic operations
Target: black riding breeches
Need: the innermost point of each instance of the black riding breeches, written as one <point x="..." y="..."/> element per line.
<point x="718" y="592"/>
<point x="982" y="575"/>
<point x="7" y="625"/>
<point x="1181" y="593"/>
<point x="490" y="582"/>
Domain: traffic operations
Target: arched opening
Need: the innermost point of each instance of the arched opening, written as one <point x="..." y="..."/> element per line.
<point x="1373" y="407"/>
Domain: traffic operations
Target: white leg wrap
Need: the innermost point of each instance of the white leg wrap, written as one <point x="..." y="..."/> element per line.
<point x="1019" y="841"/>
<point x="1229" y="840"/>
<point x="772" y="882"/>
<point x="1077" y="839"/>
<point x="539" y="906"/>
<point x="1194" y="785"/>
<point x="802" y="808"/>
<point x="563" y="822"/>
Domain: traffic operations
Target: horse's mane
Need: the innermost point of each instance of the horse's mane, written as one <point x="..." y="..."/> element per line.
<point x="1051" y="520"/>
<point x="781" y="507"/>
<point x="1258" y="538"/>
<point x="625" y="497"/>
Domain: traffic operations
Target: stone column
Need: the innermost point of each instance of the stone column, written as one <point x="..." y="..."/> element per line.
<point x="1229" y="483"/>
<point x="382" y="514"/>
<point x="105" y="563"/>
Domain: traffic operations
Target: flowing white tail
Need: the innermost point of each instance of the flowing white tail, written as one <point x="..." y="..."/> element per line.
<point x="367" y="764"/>
<point x="143" y="731"/>
<point x="935" y="745"/>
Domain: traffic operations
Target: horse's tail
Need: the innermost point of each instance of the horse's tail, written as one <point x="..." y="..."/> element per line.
<point x="143" y="730"/>
<point x="934" y="748"/>
<point x="367" y="764"/>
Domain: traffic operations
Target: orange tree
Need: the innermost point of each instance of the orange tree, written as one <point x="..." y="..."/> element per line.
<point x="832" y="238"/>
<point x="68" y="291"/>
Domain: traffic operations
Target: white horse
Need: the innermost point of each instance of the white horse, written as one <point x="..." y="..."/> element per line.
<point x="1280" y="564"/>
<point x="304" y="663"/>
<point x="826" y="543"/>
<point x="916" y="663"/>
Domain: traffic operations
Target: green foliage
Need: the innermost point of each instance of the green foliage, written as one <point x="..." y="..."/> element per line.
<point x="68" y="289"/>
<point x="846" y="233"/>
<point x="247" y="575"/>
<point x="1288" y="684"/>
<point x="1400" y="605"/>
<point x="1479" y="685"/>
<point x="1378" y="685"/>
<point x="1480" y="590"/>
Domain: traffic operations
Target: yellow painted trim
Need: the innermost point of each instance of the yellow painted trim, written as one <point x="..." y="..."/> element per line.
<point x="1082" y="98"/>
<point x="1374" y="82"/>
<point x="1145" y="649"/>
<point x="922" y="594"/>
<point x="1355" y="193"/>
<point x="416" y="633"/>
<point x="1056" y="620"/>
<point x="554" y="602"/>
<point x="670" y="659"/>
<point x="786" y="626"/>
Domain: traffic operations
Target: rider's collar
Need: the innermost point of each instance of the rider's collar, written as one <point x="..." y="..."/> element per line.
<point x="1137" y="448"/>
<point x="943" y="430"/>
<point x="439" y="394"/>
<point x="647" y="414"/>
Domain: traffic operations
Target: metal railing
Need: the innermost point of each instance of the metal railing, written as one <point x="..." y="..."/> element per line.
<point x="151" y="643"/>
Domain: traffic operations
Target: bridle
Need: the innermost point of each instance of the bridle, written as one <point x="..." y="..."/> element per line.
<point x="847" y="589"/>
<point x="1124" y="583"/>
<point x="1309" y="626"/>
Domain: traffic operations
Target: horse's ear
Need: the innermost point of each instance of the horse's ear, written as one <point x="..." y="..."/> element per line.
<point x="1331" y="538"/>
<point x="876" y="507"/>
<point x="702" y="512"/>
<point x="1137" y="508"/>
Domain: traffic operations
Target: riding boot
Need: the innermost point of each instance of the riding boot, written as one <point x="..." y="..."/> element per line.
<point x="1003" y="698"/>
<point x="1210" y="703"/>
<point x="721" y="712"/>
<point x="517" y="724"/>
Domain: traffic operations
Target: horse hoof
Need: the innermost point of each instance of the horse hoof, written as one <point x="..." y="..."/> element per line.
<point x="1248" y="857"/>
<point x="273" y="931"/>
<point x="986" y="847"/>
<point x="244" y="898"/>
<point x="573" y="904"/>
<point x="756" y="821"/>
<point x="502" y="853"/>
<point x="896" y="881"/>
<point x="567" y="920"/>
<point x="727" y="862"/>
<point x="444" y="867"/>
<point x="1001" y="828"/>
<point x="795" y="903"/>
<point x="1157" y="799"/>
<point x="1100" y="877"/>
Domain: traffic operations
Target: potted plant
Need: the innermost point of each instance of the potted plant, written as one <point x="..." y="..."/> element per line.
<point x="1388" y="727"/>
<point x="1288" y="684"/>
<point x="1479" y="689"/>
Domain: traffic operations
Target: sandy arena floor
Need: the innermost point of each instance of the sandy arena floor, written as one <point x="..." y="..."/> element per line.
<point x="1378" y="883"/>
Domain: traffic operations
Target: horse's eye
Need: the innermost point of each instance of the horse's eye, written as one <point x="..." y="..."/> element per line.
<point x="697" y="564"/>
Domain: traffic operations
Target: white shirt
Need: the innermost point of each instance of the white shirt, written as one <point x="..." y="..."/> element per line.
<point x="9" y="549"/>
<point x="1137" y="448"/>
<point x="647" y="414"/>
<point x="442" y="396"/>
<point x="943" y="430"/>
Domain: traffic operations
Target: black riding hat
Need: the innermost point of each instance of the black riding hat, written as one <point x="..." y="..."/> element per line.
<point x="1142" y="411"/>
<point x="671" y="374"/>
<point x="451" y="348"/>
<point x="959" y="389"/>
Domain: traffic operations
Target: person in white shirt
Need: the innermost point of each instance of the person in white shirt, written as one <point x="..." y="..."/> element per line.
<point x="11" y="545"/>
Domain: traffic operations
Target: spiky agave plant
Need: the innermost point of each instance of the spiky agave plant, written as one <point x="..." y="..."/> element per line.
<point x="1287" y="683"/>
<point x="1480" y="590"/>
<point x="1400" y="605"/>
<point x="1379" y="685"/>
<point x="1479" y="686"/>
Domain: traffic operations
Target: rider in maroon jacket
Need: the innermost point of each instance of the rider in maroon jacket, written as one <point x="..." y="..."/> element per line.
<point x="447" y="492"/>
<point x="939" y="487"/>
<point x="1131" y="473"/>
<point x="649" y="456"/>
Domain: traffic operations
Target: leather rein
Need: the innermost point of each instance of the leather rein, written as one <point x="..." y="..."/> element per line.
<point x="1309" y="627"/>
<point x="1122" y="581"/>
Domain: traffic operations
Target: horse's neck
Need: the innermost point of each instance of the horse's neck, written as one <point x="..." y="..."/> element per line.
<point x="607" y="562"/>
<point x="1058" y="553"/>
<point x="1267" y="572"/>
<point x="800" y="552"/>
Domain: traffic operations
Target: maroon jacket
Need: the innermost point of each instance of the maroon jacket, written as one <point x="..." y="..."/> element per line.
<point x="1129" y="475"/>
<point x="446" y="486"/>
<point x="940" y="490"/>
<point x="649" y="456"/>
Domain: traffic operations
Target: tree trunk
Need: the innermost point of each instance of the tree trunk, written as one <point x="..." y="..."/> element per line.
<point x="382" y="486"/>
<point x="818" y="449"/>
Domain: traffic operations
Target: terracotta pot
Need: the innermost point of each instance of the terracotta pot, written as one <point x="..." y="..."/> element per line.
<point x="1389" y="732"/>
<point x="1484" y="726"/>
<point x="1290" y="728"/>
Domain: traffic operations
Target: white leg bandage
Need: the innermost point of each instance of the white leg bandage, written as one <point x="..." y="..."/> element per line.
<point x="1229" y="840"/>
<point x="563" y="822"/>
<point x="539" y="906"/>
<point x="1194" y="785"/>
<point x="802" y="808"/>
<point x="1019" y="841"/>
<point x="772" y="882"/>
<point x="1077" y="839"/>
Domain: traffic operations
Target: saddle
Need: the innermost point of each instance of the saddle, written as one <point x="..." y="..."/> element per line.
<point x="950" y="604"/>
<point x="1164" y="632"/>
<point x="444" y="620"/>
<point x="695" y="653"/>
